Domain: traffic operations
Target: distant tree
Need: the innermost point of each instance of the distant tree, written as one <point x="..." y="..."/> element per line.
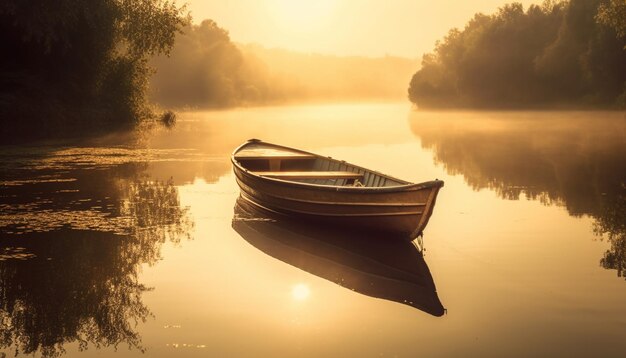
<point x="559" y="53"/>
<point x="205" y="68"/>
<point x="73" y="66"/>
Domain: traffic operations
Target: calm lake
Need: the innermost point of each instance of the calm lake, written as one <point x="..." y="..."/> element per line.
<point x="137" y="249"/>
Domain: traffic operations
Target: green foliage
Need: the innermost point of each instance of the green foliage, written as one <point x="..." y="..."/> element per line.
<point x="79" y="67"/>
<point x="556" y="54"/>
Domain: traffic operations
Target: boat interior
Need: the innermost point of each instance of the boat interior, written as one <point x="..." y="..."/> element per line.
<point x="289" y="164"/>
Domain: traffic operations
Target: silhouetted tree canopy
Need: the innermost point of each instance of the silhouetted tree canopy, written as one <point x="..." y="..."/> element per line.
<point x="567" y="53"/>
<point x="73" y="66"/>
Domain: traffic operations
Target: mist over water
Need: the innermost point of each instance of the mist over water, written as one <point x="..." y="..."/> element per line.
<point x="571" y="159"/>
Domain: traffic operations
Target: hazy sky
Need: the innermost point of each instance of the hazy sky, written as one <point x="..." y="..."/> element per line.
<point x="343" y="27"/>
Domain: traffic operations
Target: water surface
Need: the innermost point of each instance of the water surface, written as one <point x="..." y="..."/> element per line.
<point x="136" y="249"/>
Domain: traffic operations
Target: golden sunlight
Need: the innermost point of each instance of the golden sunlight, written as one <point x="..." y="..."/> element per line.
<point x="300" y="292"/>
<point x="301" y="14"/>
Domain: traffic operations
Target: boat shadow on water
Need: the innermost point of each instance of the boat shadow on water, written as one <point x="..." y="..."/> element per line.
<point x="394" y="270"/>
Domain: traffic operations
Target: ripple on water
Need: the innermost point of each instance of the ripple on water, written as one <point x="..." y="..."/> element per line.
<point x="18" y="220"/>
<point x="63" y="158"/>
<point x="15" y="253"/>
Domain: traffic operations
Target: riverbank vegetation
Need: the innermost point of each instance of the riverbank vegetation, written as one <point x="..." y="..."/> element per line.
<point x="74" y="67"/>
<point x="560" y="54"/>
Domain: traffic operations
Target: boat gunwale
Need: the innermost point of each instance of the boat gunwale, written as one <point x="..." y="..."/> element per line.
<point x="408" y="186"/>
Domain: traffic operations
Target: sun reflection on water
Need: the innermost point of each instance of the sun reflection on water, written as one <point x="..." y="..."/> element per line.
<point x="300" y="292"/>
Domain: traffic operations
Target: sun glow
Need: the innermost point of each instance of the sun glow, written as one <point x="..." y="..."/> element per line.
<point x="301" y="15"/>
<point x="300" y="292"/>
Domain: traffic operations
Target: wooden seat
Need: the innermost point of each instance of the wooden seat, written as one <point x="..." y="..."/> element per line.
<point x="271" y="153"/>
<point x="274" y="156"/>
<point x="311" y="175"/>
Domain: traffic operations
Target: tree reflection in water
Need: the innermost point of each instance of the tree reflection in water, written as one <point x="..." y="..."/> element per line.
<point x="573" y="159"/>
<point x="78" y="282"/>
<point x="612" y="224"/>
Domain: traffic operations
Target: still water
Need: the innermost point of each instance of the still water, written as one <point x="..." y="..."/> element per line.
<point x="140" y="249"/>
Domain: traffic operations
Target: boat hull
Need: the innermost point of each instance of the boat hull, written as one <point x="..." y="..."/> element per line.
<point x="401" y="211"/>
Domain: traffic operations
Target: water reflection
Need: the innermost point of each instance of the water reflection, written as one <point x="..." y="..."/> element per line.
<point x="575" y="160"/>
<point x="611" y="223"/>
<point x="300" y="292"/>
<point x="392" y="270"/>
<point x="73" y="240"/>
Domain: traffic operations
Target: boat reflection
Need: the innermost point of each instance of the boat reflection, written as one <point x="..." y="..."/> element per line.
<point x="387" y="269"/>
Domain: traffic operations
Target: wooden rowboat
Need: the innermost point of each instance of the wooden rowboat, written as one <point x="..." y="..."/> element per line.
<point x="313" y="187"/>
<point x="393" y="270"/>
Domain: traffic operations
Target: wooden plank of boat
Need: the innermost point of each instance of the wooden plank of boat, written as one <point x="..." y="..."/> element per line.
<point x="311" y="175"/>
<point x="274" y="155"/>
<point x="264" y="152"/>
<point x="311" y="186"/>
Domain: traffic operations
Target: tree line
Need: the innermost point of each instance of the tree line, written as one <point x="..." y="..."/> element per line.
<point x="558" y="54"/>
<point x="207" y="69"/>
<point x="76" y="67"/>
